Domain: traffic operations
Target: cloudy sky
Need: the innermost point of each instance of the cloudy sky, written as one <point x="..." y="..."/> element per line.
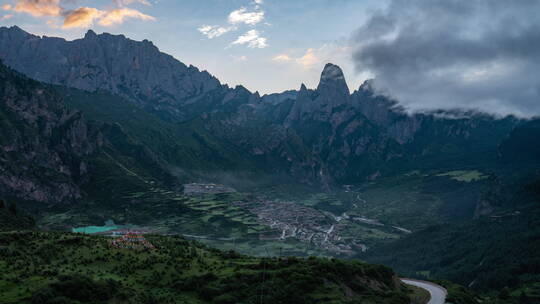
<point x="482" y="54"/>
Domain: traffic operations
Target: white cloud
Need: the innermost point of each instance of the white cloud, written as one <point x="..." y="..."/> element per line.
<point x="282" y="58"/>
<point x="128" y="2"/>
<point x="213" y="31"/>
<point x="236" y="19"/>
<point x="240" y="58"/>
<point x="309" y="59"/>
<point x="253" y="40"/>
<point x="242" y="15"/>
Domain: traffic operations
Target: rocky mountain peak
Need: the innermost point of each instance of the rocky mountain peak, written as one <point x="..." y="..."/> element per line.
<point x="367" y="86"/>
<point x="90" y="34"/>
<point x="332" y="77"/>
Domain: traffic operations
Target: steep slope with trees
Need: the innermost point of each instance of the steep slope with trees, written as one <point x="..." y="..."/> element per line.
<point x="73" y="268"/>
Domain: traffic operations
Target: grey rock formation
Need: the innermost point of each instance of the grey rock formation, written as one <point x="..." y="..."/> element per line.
<point x="137" y="70"/>
<point x="43" y="145"/>
<point x="277" y="98"/>
<point x="331" y="93"/>
<point x="386" y="113"/>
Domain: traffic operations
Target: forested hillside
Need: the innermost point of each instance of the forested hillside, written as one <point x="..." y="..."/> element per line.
<point x="493" y="254"/>
<point x="40" y="267"/>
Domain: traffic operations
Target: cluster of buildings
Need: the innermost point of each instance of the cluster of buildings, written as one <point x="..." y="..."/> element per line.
<point x="134" y="240"/>
<point x="206" y="188"/>
<point x="291" y="220"/>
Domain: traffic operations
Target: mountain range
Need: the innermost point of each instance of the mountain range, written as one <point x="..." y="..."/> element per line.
<point x="324" y="136"/>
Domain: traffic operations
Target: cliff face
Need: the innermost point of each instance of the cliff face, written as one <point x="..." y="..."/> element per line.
<point x="42" y="145"/>
<point x="137" y="70"/>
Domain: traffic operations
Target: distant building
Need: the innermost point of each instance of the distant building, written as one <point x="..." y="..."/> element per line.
<point x="203" y="188"/>
<point x="131" y="240"/>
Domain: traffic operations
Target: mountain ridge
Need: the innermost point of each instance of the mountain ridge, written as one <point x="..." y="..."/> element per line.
<point x="338" y="136"/>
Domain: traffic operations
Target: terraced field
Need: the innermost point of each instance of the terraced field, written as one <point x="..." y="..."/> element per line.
<point x="270" y="221"/>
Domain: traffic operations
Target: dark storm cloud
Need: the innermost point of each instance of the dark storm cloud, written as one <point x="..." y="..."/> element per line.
<point x="481" y="54"/>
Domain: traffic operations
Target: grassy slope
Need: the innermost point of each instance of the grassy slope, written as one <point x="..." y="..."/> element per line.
<point x="187" y="145"/>
<point x="53" y="267"/>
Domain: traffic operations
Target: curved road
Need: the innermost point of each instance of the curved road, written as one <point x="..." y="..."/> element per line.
<point x="438" y="293"/>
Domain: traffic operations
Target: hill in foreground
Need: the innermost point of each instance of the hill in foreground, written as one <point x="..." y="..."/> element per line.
<point x="54" y="267"/>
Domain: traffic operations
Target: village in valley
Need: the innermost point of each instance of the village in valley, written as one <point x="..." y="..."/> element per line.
<point x="267" y="220"/>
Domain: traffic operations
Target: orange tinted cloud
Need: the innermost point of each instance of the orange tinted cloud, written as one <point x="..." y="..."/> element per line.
<point x="82" y="17"/>
<point x="39" y="8"/>
<point x="85" y="17"/>
<point x="117" y="16"/>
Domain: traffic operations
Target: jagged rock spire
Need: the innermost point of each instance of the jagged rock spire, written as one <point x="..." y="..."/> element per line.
<point x="332" y="78"/>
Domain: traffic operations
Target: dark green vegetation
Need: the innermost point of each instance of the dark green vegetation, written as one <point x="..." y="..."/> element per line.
<point x="419" y="296"/>
<point x="497" y="252"/>
<point x="53" y="267"/>
<point x="132" y="130"/>
<point x="493" y="254"/>
<point x="13" y="219"/>
<point x="458" y="294"/>
<point x="419" y="199"/>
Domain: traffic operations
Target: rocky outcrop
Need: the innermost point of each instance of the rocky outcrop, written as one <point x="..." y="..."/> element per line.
<point x="137" y="70"/>
<point x="348" y="144"/>
<point x="43" y="146"/>
<point x="319" y="105"/>
<point x="277" y="98"/>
